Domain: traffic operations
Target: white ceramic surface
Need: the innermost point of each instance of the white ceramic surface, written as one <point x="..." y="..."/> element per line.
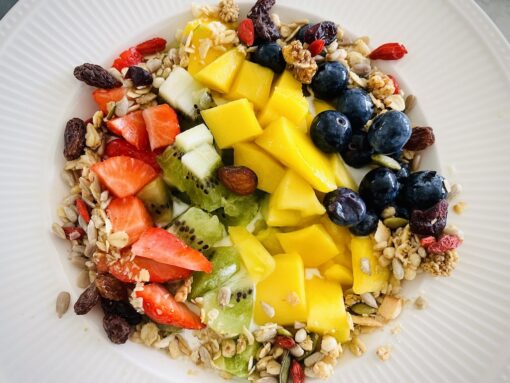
<point x="458" y="67"/>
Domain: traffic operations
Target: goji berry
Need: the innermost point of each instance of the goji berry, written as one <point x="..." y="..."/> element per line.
<point x="296" y="372"/>
<point x="285" y="342"/>
<point x="70" y="232"/>
<point x="388" y="51"/>
<point x="246" y="32"/>
<point x="395" y="84"/>
<point x="127" y="58"/>
<point x="316" y="47"/>
<point x="427" y="241"/>
<point x="151" y="46"/>
<point x="83" y="211"/>
<point x="445" y="243"/>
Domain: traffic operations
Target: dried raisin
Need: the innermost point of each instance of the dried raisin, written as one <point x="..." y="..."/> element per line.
<point x="326" y="31"/>
<point x="111" y="288"/>
<point x="74" y="138"/>
<point x="122" y="309"/>
<point x="116" y="328"/>
<point x="261" y="6"/>
<point x="96" y="75"/>
<point x="139" y="76"/>
<point x="87" y="300"/>
<point x="431" y="221"/>
<point x="265" y="29"/>
<point x="421" y="138"/>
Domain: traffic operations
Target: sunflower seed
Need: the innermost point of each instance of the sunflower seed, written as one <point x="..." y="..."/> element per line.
<point x="398" y="269"/>
<point x="314" y="358"/>
<point x="369" y="300"/>
<point x="63" y="300"/>
<point x="83" y="279"/>
<point x="70" y="213"/>
<point x="58" y="231"/>
<point x="121" y="107"/>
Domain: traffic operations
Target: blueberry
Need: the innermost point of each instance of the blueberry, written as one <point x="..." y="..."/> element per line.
<point x="403" y="173"/>
<point x="269" y="55"/>
<point x="330" y="131"/>
<point x="301" y="33"/>
<point x="424" y="189"/>
<point x="344" y="207"/>
<point x="379" y="188"/>
<point x="330" y="80"/>
<point x="389" y="132"/>
<point x="358" y="152"/>
<point x="357" y="105"/>
<point x="367" y="225"/>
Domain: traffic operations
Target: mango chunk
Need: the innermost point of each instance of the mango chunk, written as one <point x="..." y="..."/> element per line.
<point x="288" y="81"/>
<point x="252" y="82"/>
<point x="312" y="243"/>
<point x="326" y="309"/>
<point x="337" y="273"/>
<point x="294" y="193"/>
<point x="342" y="176"/>
<point x="277" y="217"/>
<point x="232" y="122"/>
<point x="259" y="263"/>
<point x="286" y="103"/>
<point x="269" y="171"/>
<point x="368" y="275"/>
<point x="269" y="240"/>
<point x="296" y="150"/>
<point x="201" y="32"/>
<point x="342" y="238"/>
<point x="284" y="291"/>
<point x="219" y="74"/>
<point x="321" y="106"/>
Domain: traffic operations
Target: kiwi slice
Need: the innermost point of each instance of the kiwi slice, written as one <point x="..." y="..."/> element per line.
<point x="226" y="262"/>
<point x="238" y="364"/>
<point x="229" y="320"/>
<point x="238" y="210"/>
<point x="198" y="229"/>
<point x="156" y="197"/>
<point x="205" y="193"/>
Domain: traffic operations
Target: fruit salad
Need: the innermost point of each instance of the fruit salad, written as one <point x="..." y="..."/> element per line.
<point x="213" y="194"/>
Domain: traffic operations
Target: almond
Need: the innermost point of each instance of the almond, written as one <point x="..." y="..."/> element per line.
<point x="238" y="179"/>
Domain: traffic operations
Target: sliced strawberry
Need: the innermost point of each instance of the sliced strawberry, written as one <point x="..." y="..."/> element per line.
<point x="103" y="96"/>
<point x="128" y="270"/>
<point x="162" y="246"/>
<point x="122" y="148"/>
<point x="132" y="128"/>
<point x="124" y="176"/>
<point x="130" y="215"/>
<point x="127" y="58"/>
<point x="161" y="307"/>
<point x="151" y="46"/>
<point x="162" y="125"/>
<point x="74" y="232"/>
<point x="83" y="210"/>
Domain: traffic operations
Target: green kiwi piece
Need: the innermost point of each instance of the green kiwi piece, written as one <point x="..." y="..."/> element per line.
<point x="238" y="210"/>
<point x="198" y="229"/>
<point x="238" y="364"/>
<point x="229" y="320"/>
<point x="156" y="197"/>
<point x="226" y="262"/>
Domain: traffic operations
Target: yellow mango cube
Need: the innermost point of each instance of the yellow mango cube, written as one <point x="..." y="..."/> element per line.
<point x="277" y="217"/>
<point x="288" y="81"/>
<point x="286" y="103"/>
<point x="343" y="178"/>
<point x="342" y="238"/>
<point x="368" y="275"/>
<point x="201" y="32"/>
<point x="337" y="273"/>
<point x="283" y="290"/>
<point x="296" y="150"/>
<point x="252" y="82"/>
<point x="232" y="122"/>
<point x="326" y="309"/>
<point x="269" y="171"/>
<point x="294" y="193"/>
<point x="259" y="263"/>
<point x="219" y="74"/>
<point x="269" y="240"/>
<point x="312" y="243"/>
<point x="321" y="106"/>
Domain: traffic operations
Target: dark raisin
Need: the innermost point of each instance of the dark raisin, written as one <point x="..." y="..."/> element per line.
<point x="74" y="138"/>
<point x="116" y="328"/>
<point x="122" y="309"/>
<point x="265" y="29"/>
<point x="421" y="138"/>
<point x="139" y="76"/>
<point x="431" y="221"/>
<point x="111" y="288"/>
<point x="96" y="75"/>
<point x="261" y="6"/>
<point x="326" y="31"/>
<point x="87" y="300"/>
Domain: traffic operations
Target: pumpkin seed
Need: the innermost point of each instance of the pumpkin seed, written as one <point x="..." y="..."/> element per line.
<point x="395" y="222"/>
<point x="284" y="371"/>
<point x="363" y="309"/>
<point x="283" y="331"/>
<point x="386" y="161"/>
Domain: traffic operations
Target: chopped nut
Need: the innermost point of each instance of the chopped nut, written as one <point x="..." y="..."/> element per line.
<point x="228" y="11"/>
<point x="357" y="346"/>
<point x="459" y="207"/>
<point x="391" y="307"/>
<point x="322" y="370"/>
<point x="328" y="344"/>
<point x="366" y="321"/>
<point x="380" y="85"/>
<point x="420" y="303"/>
<point x="383" y="352"/>
<point x="273" y="367"/>
<point x="228" y="348"/>
<point x="301" y="61"/>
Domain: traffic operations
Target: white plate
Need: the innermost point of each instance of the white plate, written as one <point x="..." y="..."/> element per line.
<point x="458" y="67"/>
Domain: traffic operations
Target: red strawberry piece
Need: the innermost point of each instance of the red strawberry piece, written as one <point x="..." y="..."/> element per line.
<point x="128" y="270"/>
<point x="127" y="58"/>
<point x="124" y="176"/>
<point x="445" y="243"/>
<point x="157" y="44"/>
<point x="427" y="241"/>
<point x="83" y="210"/>
<point x="161" y="307"/>
<point x="316" y="47"/>
<point x="162" y="125"/>
<point x="103" y="96"/>
<point x="395" y="84"/>
<point x="132" y="128"/>
<point x="161" y="246"/>
<point x="246" y="32"/>
<point x="130" y="215"/>
<point x="74" y="232"/>
<point x="122" y="148"/>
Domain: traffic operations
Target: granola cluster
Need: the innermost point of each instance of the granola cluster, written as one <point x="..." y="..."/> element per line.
<point x="300" y="60"/>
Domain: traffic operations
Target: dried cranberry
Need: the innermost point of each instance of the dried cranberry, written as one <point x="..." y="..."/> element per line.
<point x="95" y="75"/>
<point x="122" y="309"/>
<point x="74" y="138"/>
<point x="326" y="31"/>
<point x="139" y="76"/>
<point x="110" y="287"/>
<point x="87" y="300"/>
<point x="431" y="221"/>
<point x="116" y="328"/>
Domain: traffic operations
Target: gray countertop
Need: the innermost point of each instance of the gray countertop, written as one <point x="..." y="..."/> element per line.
<point x="498" y="11"/>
